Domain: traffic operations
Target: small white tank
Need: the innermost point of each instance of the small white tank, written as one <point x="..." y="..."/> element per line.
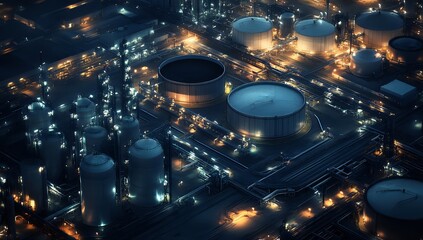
<point x="95" y="139"/>
<point x="85" y="111"/>
<point x="128" y="134"/>
<point x="146" y="173"/>
<point x="98" y="190"/>
<point x="37" y="117"/>
<point x="366" y="63"/>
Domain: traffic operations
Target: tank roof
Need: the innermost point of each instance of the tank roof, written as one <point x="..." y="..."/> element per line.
<point x="146" y="148"/>
<point x="288" y="15"/>
<point x="399" y="198"/>
<point x="252" y="25"/>
<point x="407" y="43"/>
<point x="266" y="99"/>
<point x="314" y="28"/>
<point x="36" y="106"/>
<point x="191" y="69"/>
<point x="84" y="102"/>
<point x="94" y="130"/>
<point x="96" y="163"/>
<point x="367" y="56"/>
<point x="380" y="21"/>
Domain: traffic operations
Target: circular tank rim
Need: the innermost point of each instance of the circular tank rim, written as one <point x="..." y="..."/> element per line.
<point x="191" y="56"/>
<point x="265" y="25"/>
<point x="287" y="15"/>
<point x="394" y="46"/>
<point x="366" y="20"/>
<point x="266" y="83"/>
<point x="94" y="130"/>
<point x="303" y="28"/>
<point x="383" y="214"/>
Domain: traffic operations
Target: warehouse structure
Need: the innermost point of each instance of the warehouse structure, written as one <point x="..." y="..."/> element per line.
<point x="400" y="92"/>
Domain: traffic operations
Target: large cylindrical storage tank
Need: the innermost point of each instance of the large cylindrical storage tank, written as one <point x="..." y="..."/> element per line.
<point x="128" y="134"/>
<point x="85" y="111"/>
<point x="405" y="49"/>
<point x="37" y="117"/>
<point x="287" y="24"/>
<point x="253" y="32"/>
<point x="266" y="110"/>
<point x="366" y="63"/>
<point x="34" y="184"/>
<point x="98" y="189"/>
<point x="146" y="173"/>
<point x="315" y="35"/>
<point x="378" y="27"/>
<point x="192" y="80"/>
<point x="394" y="209"/>
<point x="53" y="156"/>
<point x="95" y="139"/>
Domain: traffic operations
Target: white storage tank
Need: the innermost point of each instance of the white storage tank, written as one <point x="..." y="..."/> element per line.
<point x="266" y="110"/>
<point x="192" y="80"/>
<point x="95" y="139"/>
<point x="98" y="190"/>
<point x="287" y="24"/>
<point x="34" y="184"/>
<point x="366" y="63"/>
<point x="394" y="209"/>
<point x="405" y="49"/>
<point x="85" y="111"/>
<point x="128" y="134"/>
<point x="37" y="117"/>
<point x="146" y="173"/>
<point x="53" y="155"/>
<point x="315" y="35"/>
<point x="378" y="27"/>
<point x="253" y="32"/>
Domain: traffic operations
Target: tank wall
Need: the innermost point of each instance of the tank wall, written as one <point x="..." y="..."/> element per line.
<point x="254" y="41"/>
<point x="34" y="184"/>
<point x="266" y="127"/>
<point x="146" y="176"/>
<point x="316" y="44"/>
<point x="98" y="190"/>
<point x="96" y="142"/>
<point x="85" y="116"/>
<point x="392" y="229"/>
<point x="187" y="94"/>
<point x="129" y="134"/>
<point x="286" y="26"/>
<point x="407" y="57"/>
<point x="51" y="152"/>
<point x="377" y="39"/>
<point x="38" y="119"/>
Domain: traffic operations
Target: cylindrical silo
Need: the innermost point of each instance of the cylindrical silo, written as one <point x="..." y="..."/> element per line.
<point x="266" y="110"/>
<point x="128" y="134"/>
<point x="95" y="139"/>
<point x="378" y="27"/>
<point x="146" y="173"/>
<point x="366" y="63"/>
<point x="85" y="111"/>
<point x="405" y="49"/>
<point x="394" y="209"/>
<point x="37" y="117"/>
<point x="34" y="184"/>
<point x="98" y="189"/>
<point x="192" y="80"/>
<point x="287" y="24"/>
<point x="253" y="32"/>
<point x="315" y="35"/>
<point x="52" y="154"/>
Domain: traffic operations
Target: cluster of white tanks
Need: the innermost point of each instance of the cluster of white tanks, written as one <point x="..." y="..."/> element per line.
<point x="253" y="32"/>
<point x="366" y="63"/>
<point x="378" y="27"/>
<point x="315" y="35"/>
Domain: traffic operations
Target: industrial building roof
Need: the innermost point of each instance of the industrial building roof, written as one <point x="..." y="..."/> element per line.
<point x="407" y="43"/>
<point x="314" y="28"/>
<point x="252" y="25"/>
<point x="399" y="198"/>
<point x="191" y="69"/>
<point x="397" y="88"/>
<point x="380" y="21"/>
<point x="266" y="99"/>
<point x="366" y="55"/>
